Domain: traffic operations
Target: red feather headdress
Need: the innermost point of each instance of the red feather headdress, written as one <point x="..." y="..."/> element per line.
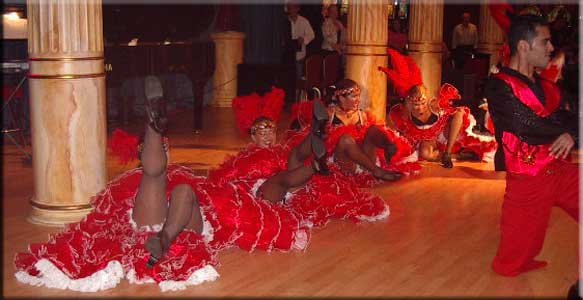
<point x="250" y="107"/>
<point x="123" y="145"/>
<point x="500" y="12"/>
<point x="405" y="73"/>
<point x="127" y="147"/>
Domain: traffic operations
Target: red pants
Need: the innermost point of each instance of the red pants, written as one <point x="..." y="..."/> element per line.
<point x="526" y="211"/>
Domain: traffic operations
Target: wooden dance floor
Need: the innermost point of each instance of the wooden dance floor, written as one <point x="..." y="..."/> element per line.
<point x="438" y="241"/>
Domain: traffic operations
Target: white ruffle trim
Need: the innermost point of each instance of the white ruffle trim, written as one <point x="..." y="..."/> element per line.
<point x="306" y="223"/>
<point x="208" y="232"/>
<point x="147" y="228"/>
<point x="481" y="137"/>
<point x="256" y="186"/>
<point x="207" y="273"/>
<point x="413" y="157"/>
<point x="131" y="277"/>
<point x="301" y="240"/>
<point x="51" y="277"/>
<point x="383" y="215"/>
<point x="287" y="197"/>
<point x="486" y="156"/>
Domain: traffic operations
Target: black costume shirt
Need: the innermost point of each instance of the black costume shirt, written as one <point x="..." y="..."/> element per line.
<point x="509" y="114"/>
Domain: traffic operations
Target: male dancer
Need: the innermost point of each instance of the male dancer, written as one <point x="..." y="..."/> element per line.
<point x="535" y="138"/>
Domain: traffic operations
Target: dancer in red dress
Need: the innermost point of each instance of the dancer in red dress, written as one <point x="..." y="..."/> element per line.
<point x="163" y="224"/>
<point x="319" y="197"/>
<point x="360" y="148"/>
<point x="433" y="126"/>
<point x="157" y="223"/>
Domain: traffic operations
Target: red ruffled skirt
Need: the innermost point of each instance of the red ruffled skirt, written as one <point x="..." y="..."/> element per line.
<point x="96" y="253"/>
<point x="105" y="247"/>
<point x="484" y="146"/>
<point x="404" y="161"/>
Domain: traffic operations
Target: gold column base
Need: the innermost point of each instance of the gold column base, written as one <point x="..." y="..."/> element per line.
<point x="55" y="216"/>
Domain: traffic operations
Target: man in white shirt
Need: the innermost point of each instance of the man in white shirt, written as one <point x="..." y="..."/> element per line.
<point x="464" y="39"/>
<point x="301" y="32"/>
<point x="332" y="31"/>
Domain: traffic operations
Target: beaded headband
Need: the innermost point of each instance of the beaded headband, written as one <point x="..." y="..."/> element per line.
<point x="265" y="124"/>
<point x="417" y="100"/>
<point x="347" y="91"/>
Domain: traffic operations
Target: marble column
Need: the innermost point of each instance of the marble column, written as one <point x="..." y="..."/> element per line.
<point x="366" y="50"/>
<point x="425" y="40"/>
<point x="490" y="35"/>
<point x="228" y="54"/>
<point x="67" y="108"/>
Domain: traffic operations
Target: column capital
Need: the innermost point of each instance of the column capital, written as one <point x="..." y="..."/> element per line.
<point x="65" y="29"/>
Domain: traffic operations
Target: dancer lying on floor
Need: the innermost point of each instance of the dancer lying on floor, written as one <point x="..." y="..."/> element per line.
<point x="159" y="224"/>
<point x="433" y="126"/>
<point x="266" y="162"/>
<point x="358" y="146"/>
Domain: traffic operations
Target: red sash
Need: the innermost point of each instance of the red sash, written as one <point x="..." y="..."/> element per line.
<point x="523" y="92"/>
<point x="521" y="157"/>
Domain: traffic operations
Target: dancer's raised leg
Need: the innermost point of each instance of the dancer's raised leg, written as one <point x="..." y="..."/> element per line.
<point x="150" y="207"/>
<point x="348" y="151"/>
<point x="275" y="188"/>
<point x="376" y="138"/>
<point x="183" y="212"/>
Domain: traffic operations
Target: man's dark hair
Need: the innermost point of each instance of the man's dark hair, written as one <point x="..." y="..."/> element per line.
<point x="523" y="28"/>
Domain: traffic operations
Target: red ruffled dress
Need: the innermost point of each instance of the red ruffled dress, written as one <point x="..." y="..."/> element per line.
<point x="316" y="203"/>
<point x="404" y="161"/>
<point x="484" y="146"/>
<point x="107" y="246"/>
<point x="96" y="253"/>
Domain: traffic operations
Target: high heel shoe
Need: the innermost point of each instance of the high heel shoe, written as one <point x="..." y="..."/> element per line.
<point x="319" y="151"/>
<point x="446" y="160"/>
<point x="155" y="107"/>
<point x="319" y="120"/>
<point x="157" y="245"/>
<point x="390" y="151"/>
<point x="387" y="175"/>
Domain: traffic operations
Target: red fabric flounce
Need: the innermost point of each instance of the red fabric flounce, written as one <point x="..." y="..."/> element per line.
<point x="322" y="198"/>
<point x="499" y="12"/>
<point x="335" y="196"/>
<point x="123" y="145"/>
<point x="399" y="162"/>
<point x="447" y="94"/>
<point x="107" y="234"/>
<point x="466" y="139"/>
<point x="251" y="164"/>
<point x="358" y="132"/>
<point x="235" y="215"/>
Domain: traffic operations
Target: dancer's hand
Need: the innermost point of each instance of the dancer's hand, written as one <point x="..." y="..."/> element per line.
<point x="561" y="147"/>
